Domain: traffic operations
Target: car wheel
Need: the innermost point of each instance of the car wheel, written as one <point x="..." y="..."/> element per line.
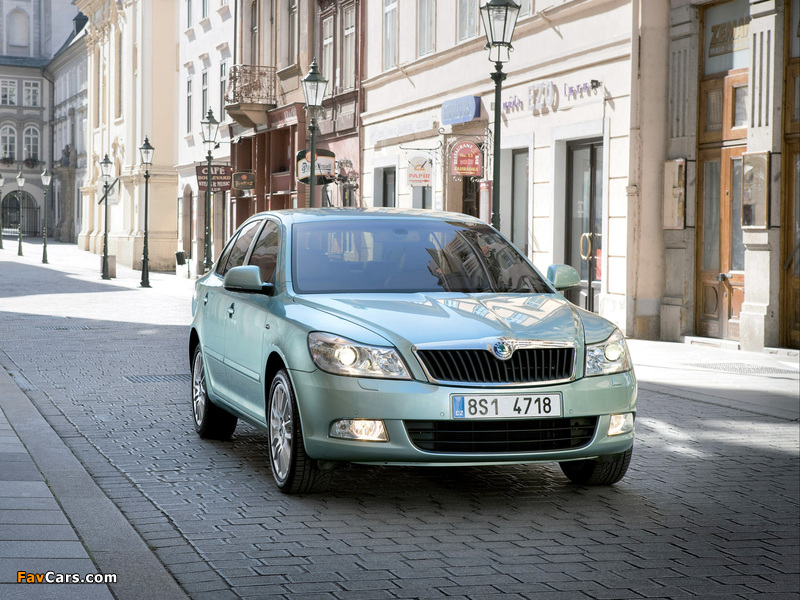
<point x="210" y="421"/>
<point x="294" y="472"/>
<point x="599" y="471"/>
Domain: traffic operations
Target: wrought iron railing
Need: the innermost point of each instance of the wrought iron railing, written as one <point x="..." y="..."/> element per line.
<point x="249" y="84"/>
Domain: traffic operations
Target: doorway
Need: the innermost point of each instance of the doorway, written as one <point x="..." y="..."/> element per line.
<point x="584" y="239"/>
<point x="720" y="247"/>
<point x="790" y="310"/>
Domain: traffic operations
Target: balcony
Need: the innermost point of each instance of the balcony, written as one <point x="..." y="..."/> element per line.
<point x="250" y="94"/>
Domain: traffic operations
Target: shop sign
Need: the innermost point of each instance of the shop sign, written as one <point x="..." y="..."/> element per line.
<point x="542" y="96"/>
<point x="513" y="103"/>
<point x="461" y="110"/>
<point x="579" y="89"/>
<point x="323" y="170"/>
<point x="244" y="181"/>
<point x="220" y="178"/>
<point x="466" y="160"/>
<point x="420" y="170"/>
<point x="282" y="118"/>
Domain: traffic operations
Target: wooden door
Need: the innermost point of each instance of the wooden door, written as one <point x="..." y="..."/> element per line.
<point x="720" y="245"/>
<point x="790" y="259"/>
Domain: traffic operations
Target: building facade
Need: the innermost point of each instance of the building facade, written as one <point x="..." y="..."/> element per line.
<point x="30" y="33"/>
<point x="582" y="135"/>
<point x="132" y="93"/>
<point x="731" y="224"/>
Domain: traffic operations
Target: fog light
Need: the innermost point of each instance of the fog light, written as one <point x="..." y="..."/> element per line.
<point x="620" y="424"/>
<point x="365" y="430"/>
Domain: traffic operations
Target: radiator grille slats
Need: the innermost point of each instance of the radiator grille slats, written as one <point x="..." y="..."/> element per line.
<point x="526" y="365"/>
<point x="501" y="436"/>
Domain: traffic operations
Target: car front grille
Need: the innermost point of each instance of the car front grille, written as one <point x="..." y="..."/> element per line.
<point x="495" y="435"/>
<point x="528" y="365"/>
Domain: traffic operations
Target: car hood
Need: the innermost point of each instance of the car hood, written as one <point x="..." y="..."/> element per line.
<point x="422" y="319"/>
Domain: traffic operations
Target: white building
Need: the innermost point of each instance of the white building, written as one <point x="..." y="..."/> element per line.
<point x="583" y="134"/>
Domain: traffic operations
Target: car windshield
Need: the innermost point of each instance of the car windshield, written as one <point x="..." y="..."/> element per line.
<point x="407" y="255"/>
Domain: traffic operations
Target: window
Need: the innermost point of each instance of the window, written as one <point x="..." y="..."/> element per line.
<point x="254" y="32"/>
<point x="189" y="105"/>
<point x="265" y="252"/>
<point x="205" y="8"/>
<point x="120" y="75"/>
<point x="8" y="143"/>
<point x="30" y="142"/>
<point x="327" y="66"/>
<point x="389" y="34"/>
<point x="18" y="33"/>
<point x="8" y="92"/>
<point x="238" y="250"/>
<point x="204" y="92"/>
<point x="31" y="93"/>
<point x="223" y="82"/>
<point x="421" y="196"/>
<point x="348" y="79"/>
<point x="426" y="26"/>
<point x="524" y="7"/>
<point x="189" y="17"/>
<point x="291" y="33"/>
<point x="467" y="19"/>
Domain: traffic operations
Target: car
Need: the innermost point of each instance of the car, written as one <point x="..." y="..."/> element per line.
<point x="404" y="337"/>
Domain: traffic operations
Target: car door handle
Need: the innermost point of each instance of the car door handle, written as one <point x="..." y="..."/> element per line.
<point x="231" y="310"/>
<point x="205" y="299"/>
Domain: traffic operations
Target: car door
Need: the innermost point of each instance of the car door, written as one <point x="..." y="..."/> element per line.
<point x="248" y="329"/>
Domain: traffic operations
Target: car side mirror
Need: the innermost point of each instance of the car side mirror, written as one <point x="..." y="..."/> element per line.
<point x="247" y="279"/>
<point x="563" y="277"/>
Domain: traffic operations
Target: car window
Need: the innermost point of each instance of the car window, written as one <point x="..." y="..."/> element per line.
<point x="407" y="255"/>
<point x="239" y="247"/>
<point x="265" y="252"/>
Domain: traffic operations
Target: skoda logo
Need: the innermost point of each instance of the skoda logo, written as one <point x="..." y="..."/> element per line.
<point x="502" y="350"/>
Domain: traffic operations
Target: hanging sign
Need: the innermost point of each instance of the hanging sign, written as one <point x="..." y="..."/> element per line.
<point x="420" y="170"/>
<point x="244" y="181"/>
<point x="466" y="160"/>
<point x="220" y="178"/>
<point x="323" y="171"/>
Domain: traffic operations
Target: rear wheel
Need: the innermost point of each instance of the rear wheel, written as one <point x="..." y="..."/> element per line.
<point x="606" y="470"/>
<point x="294" y="472"/>
<point x="210" y="421"/>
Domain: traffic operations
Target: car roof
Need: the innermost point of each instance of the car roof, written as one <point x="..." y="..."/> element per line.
<point x="302" y="215"/>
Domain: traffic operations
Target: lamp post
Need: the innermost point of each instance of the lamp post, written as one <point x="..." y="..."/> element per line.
<point x="314" y="85"/>
<point x="20" y="185"/>
<point x="105" y="169"/>
<point x="2" y="181"/>
<point x="210" y="127"/>
<point x="46" y="177"/>
<point x="146" y="152"/>
<point x="499" y="18"/>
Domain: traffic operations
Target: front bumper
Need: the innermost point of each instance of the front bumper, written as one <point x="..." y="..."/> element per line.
<point x="323" y="398"/>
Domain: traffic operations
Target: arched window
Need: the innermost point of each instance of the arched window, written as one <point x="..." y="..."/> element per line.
<point x="18" y="33"/>
<point x="8" y="143"/>
<point x="30" y="143"/>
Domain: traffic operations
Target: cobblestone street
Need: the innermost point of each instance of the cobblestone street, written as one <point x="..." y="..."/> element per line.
<point x="709" y="508"/>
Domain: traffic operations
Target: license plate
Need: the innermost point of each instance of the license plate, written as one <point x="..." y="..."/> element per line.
<point x="507" y="406"/>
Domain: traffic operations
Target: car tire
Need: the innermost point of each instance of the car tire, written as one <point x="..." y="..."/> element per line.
<point x="607" y="470"/>
<point x="210" y="421"/>
<point x="293" y="470"/>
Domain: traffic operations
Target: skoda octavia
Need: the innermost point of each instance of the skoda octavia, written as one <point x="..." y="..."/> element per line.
<point x="399" y="337"/>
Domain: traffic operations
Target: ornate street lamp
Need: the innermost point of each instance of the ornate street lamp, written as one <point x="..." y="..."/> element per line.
<point x="20" y="185"/>
<point x="146" y="152"/>
<point x="46" y="177"/>
<point x="210" y="127"/>
<point x="499" y="18"/>
<point x="105" y="169"/>
<point x="2" y="181"/>
<point x="314" y="85"/>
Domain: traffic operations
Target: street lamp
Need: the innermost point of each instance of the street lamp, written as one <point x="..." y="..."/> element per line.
<point x="210" y="127"/>
<point x="146" y="152"/>
<point x="20" y="185"/>
<point x="314" y="85"/>
<point x="46" y="177"/>
<point x="499" y="18"/>
<point x="105" y="169"/>
<point x="2" y="181"/>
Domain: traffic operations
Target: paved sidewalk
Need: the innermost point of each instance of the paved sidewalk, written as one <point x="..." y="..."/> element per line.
<point x="54" y="517"/>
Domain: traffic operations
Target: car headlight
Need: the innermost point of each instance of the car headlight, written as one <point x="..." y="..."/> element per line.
<point x="609" y="356"/>
<point x="341" y="356"/>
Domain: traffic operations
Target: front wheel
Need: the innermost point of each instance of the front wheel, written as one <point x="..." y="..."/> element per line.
<point x="210" y="421"/>
<point x="293" y="470"/>
<point x="606" y="470"/>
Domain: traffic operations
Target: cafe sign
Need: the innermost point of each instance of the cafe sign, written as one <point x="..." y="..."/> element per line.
<point x="466" y="160"/>
<point x="220" y="178"/>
